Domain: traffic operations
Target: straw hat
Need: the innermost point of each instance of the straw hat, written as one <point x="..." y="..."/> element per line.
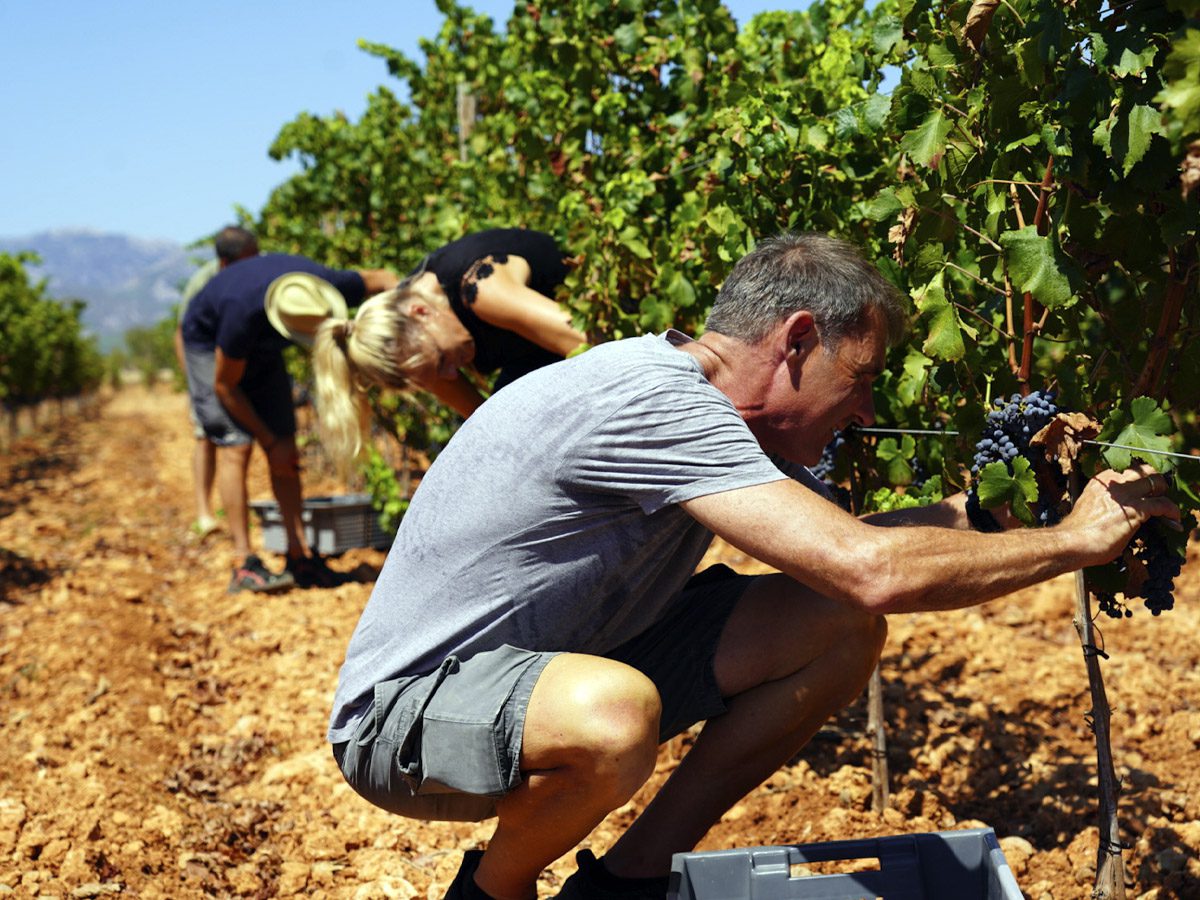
<point x="297" y="303"/>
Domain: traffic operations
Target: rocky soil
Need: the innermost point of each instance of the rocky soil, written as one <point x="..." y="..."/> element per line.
<point x="160" y="738"/>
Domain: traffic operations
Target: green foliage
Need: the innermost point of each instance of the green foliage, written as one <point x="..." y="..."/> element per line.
<point x="1023" y="189"/>
<point x="151" y="350"/>
<point x="895" y="457"/>
<point x="997" y="487"/>
<point x="886" y="499"/>
<point x="43" y="350"/>
<point x="384" y="488"/>
<point x="1146" y="428"/>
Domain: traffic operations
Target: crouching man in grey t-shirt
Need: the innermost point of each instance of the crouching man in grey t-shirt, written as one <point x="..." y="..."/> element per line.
<point x="537" y="629"/>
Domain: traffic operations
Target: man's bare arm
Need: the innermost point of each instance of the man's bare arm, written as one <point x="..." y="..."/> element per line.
<point x="912" y="569"/>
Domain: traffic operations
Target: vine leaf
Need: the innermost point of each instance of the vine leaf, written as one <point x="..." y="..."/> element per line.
<point x="1125" y="140"/>
<point x="927" y="142"/>
<point x="914" y="377"/>
<point x="1143" y="124"/>
<point x="1037" y="266"/>
<point x="886" y="34"/>
<point x="895" y="457"/>
<point x="1018" y="489"/>
<point x="1147" y="432"/>
<point x="882" y="206"/>
<point x="1181" y="74"/>
<point x="681" y="292"/>
<point x="945" y="332"/>
<point x="1135" y="62"/>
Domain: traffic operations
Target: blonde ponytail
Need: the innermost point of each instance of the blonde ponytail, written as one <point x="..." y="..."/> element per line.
<point x="379" y="346"/>
<point x="341" y="404"/>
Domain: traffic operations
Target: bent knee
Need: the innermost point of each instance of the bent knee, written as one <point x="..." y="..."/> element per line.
<point x="618" y="710"/>
<point x="602" y="718"/>
<point x="874" y="630"/>
<point x="863" y="636"/>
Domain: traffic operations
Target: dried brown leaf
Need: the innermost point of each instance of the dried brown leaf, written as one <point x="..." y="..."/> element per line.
<point x="1063" y="437"/>
<point x="898" y="233"/>
<point x="1189" y="178"/>
<point x="979" y="19"/>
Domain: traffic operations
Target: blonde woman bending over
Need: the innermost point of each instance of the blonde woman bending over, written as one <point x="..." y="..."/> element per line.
<point x="482" y="302"/>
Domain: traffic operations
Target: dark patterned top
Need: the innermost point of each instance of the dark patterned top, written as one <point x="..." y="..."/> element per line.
<point x="498" y="348"/>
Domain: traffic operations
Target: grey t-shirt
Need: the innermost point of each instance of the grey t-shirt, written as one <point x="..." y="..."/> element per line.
<point x="551" y="520"/>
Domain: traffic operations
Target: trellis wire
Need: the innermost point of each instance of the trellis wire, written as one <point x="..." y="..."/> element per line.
<point x="873" y="430"/>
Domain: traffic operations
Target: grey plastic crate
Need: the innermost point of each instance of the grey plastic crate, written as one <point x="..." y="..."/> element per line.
<point x="944" y="865"/>
<point x="332" y="524"/>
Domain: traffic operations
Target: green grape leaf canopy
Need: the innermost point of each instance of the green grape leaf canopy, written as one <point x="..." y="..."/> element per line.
<point x="1030" y="184"/>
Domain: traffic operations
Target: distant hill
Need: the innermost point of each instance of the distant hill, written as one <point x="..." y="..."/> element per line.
<point x="126" y="281"/>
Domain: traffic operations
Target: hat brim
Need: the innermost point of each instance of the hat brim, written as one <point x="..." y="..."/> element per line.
<point x="312" y="300"/>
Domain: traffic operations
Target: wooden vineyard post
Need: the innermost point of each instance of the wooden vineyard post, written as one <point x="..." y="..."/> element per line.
<point x="466" y="118"/>
<point x="1110" y="866"/>
<point x="878" y="735"/>
<point x="876" y="732"/>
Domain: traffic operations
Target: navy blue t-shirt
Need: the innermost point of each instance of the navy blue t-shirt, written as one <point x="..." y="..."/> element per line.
<point x="229" y="311"/>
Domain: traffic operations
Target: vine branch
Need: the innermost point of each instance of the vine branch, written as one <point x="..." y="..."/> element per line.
<point x="984" y="320"/>
<point x="965" y="227"/>
<point x="982" y="281"/>
<point x="1008" y="318"/>
<point x="1150" y="379"/>
<point x="1032" y="310"/>
<point x="1110" y="869"/>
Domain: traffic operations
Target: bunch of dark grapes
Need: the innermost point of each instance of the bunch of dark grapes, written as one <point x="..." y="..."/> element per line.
<point x="825" y="467"/>
<point x="828" y="461"/>
<point x="1162" y="563"/>
<point x="1110" y="605"/>
<point x="920" y="473"/>
<point x="1006" y="433"/>
<point x="1162" y="568"/>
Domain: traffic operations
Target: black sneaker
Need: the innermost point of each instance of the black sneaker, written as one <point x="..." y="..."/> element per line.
<point x="463" y="886"/>
<point x="252" y="575"/>
<point x="593" y="882"/>
<point x="312" y="571"/>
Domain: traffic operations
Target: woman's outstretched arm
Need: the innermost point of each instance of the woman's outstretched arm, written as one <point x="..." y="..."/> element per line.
<point x="504" y="298"/>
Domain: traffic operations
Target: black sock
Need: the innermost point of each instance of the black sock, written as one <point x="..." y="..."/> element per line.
<point x="472" y="891"/>
<point x="607" y="879"/>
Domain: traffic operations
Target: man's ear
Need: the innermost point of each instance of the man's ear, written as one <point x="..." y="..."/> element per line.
<point x="800" y="332"/>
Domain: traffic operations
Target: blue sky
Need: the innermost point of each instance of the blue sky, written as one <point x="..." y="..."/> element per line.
<point x="153" y="117"/>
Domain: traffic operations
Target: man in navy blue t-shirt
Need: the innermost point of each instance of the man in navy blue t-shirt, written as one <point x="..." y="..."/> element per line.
<point x="232" y="243"/>
<point x="234" y="333"/>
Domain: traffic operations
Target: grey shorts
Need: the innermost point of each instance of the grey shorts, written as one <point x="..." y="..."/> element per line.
<point x="197" y="428"/>
<point x="269" y="392"/>
<point x="447" y="745"/>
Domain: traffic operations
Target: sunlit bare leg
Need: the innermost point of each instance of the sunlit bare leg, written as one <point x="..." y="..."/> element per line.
<point x="288" y="493"/>
<point x="591" y="740"/>
<point x="788" y="659"/>
<point x="232" y="465"/>
<point x="204" y="472"/>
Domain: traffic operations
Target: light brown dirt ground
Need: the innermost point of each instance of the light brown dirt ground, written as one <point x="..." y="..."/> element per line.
<point x="159" y="738"/>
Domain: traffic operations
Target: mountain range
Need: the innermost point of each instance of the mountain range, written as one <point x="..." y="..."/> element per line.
<point x="126" y="281"/>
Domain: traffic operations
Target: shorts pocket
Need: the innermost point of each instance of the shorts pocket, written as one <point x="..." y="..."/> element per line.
<point x="399" y="707"/>
<point x="464" y="754"/>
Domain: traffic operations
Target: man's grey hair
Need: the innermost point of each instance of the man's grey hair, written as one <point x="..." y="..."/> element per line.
<point x="792" y="271"/>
